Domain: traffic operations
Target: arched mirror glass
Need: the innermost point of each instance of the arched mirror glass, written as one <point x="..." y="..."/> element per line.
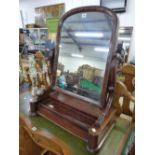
<point x="84" y="46"/>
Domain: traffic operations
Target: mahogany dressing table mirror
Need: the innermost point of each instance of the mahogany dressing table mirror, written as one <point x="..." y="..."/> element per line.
<point x="83" y="75"/>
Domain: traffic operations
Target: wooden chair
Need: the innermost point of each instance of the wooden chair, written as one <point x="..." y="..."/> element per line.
<point x="128" y="70"/>
<point x="122" y="92"/>
<point x="127" y="77"/>
<point x="39" y="142"/>
<point x="123" y="98"/>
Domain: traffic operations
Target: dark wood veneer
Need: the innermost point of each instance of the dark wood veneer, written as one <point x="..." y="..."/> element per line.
<point x="79" y="115"/>
<point x="112" y="50"/>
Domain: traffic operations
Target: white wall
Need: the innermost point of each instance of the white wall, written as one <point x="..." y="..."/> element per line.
<point x="27" y="6"/>
<point x="126" y="19"/>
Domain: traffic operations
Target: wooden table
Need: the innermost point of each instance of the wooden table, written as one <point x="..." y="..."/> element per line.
<point x="117" y="143"/>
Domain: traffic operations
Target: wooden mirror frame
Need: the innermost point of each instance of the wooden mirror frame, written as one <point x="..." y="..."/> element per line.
<point x="89" y="122"/>
<point x="109" y="75"/>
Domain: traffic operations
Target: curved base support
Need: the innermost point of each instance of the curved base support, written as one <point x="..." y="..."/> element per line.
<point x="33" y="107"/>
<point x="95" y="142"/>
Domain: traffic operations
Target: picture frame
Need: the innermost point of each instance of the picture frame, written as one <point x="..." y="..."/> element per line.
<point x="43" y="13"/>
<point x="118" y="6"/>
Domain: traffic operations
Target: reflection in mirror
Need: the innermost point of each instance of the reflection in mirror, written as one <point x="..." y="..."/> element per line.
<point x="83" y="51"/>
<point x="124" y="41"/>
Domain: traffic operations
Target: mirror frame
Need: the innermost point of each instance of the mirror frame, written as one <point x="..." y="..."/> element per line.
<point x="110" y="70"/>
<point x="128" y="31"/>
<point x="118" y="9"/>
